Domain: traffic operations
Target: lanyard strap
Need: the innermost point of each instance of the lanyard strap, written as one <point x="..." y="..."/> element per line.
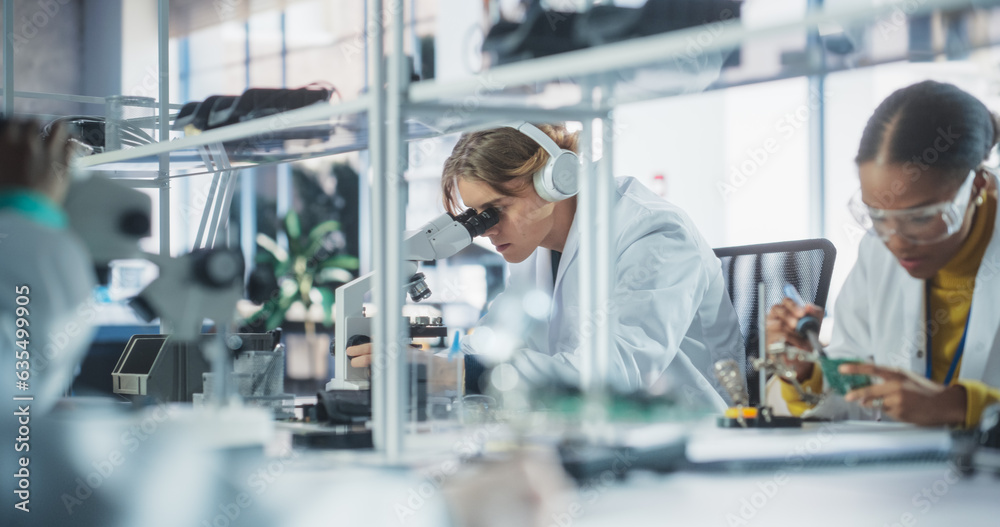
<point x="961" y="343"/>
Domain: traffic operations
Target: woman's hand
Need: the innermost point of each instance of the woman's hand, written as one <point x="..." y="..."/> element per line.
<point x="781" y="322"/>
<point x="361" y="355"/>
<point x="906" y="396"/>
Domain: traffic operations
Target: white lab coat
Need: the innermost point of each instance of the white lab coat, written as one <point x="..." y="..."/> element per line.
<point x="672" y="316"/>
<point x="58" y="272"/>
<point x="880" y="313"/>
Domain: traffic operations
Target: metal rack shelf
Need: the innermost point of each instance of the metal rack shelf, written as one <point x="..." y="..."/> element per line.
<point x="642" y="69"/>
<point x="675" y="63"/>
<point x="577" y="85"/>
<point x="316" y="131"/>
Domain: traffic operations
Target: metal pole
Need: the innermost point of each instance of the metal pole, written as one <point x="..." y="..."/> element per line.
<point x="418" y="67"/>
<point x="206" y="213"/>
<point x="225" y="200"/>
<point x="395" y="191"/>
<point x="605" y="253"/>
<point x="762" y="340"/>
<point x="283" y="202"/>
<point x="586" y="210"/>
<point x="595" y="204"/>
<point x="367" y="48"/>
<point x="163" y="52"/>
<point x="817" y="157"/>
<point x="817" y="133"/>
<point x="365" y="184"/>
<point x="284" y="51"/>
<point x="376" y="148"/>
<point x="248" y="219"/>
<point x="8" y="57"/>
<point x="246" y="55"/>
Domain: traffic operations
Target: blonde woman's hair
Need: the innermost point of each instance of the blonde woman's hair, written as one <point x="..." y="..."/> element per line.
<point x="503" y="158"/>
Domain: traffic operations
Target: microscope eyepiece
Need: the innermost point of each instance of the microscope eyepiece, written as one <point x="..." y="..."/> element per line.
<point x="477" y="224"/>
<point x="464" y="216"/>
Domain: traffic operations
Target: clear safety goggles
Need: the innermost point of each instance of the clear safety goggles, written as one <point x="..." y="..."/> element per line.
<point x="919" y="225"/>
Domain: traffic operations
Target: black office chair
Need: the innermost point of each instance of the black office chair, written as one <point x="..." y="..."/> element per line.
<point x="806" y="264"/>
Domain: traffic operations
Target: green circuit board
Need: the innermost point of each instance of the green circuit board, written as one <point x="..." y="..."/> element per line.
<point x="838" y="381"/>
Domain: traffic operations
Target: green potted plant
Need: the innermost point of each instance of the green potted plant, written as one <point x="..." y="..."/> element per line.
<point x="293" y="285"/>
<point x="307" y="273"/>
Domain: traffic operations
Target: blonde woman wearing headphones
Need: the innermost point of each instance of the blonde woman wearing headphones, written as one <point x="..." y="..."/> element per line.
<point x="671" y="315"/>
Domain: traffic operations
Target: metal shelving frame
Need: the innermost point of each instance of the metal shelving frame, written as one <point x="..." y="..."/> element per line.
<point x="593" y="69"/>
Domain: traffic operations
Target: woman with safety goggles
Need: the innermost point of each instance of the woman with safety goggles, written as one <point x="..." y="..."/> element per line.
<point x="922" y="299"/>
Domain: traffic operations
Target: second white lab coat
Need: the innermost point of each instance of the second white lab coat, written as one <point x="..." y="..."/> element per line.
<point x="880" y="314"/>
<point x="56" y="271"/>
<point x="672" y="316"/>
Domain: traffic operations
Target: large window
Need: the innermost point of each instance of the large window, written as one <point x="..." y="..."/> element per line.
<point x="736" y="160"/>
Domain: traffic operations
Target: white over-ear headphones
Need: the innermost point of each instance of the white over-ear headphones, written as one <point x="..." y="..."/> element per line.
<point x="560" y="177"/>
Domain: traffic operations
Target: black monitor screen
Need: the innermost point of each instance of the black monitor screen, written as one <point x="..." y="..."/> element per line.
<point x="141" y="355"/>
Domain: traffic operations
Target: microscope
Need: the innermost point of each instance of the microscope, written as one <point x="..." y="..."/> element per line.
<point x="440" y="238"/>
<point x="347" y="398"/>
<point x="111" y="218"/>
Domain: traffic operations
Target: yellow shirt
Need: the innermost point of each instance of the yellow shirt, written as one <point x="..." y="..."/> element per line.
<point x="950" y="300"/>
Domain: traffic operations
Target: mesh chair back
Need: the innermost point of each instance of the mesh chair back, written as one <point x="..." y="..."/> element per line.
<point x="806" y="264"/>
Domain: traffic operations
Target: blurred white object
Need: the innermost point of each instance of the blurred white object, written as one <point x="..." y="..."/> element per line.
<point x="529" y="489"/>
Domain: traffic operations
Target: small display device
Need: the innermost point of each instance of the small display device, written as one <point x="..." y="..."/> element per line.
<point x="131" y="373"/>
<point x="140" y="354"/>
<point x="154" y="366"/>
